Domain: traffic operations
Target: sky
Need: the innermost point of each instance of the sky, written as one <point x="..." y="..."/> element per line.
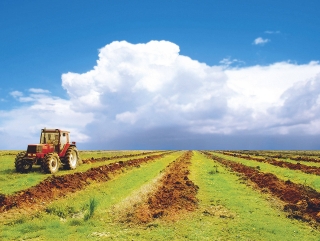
<point x="122" y="75"/>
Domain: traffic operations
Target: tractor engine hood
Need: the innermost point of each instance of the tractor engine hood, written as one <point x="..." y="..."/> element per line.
<point x="40" y="148"/>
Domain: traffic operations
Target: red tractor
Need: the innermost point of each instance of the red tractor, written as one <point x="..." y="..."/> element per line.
<point x="54" y="150"/>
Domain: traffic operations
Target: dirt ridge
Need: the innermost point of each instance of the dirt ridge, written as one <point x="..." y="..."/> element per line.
<point x="175" y="194"/>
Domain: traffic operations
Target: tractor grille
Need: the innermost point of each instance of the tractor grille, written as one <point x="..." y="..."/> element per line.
<point x="34" y="149"/>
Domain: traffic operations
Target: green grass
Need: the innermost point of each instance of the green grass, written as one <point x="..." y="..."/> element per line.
<point x="282" y="173"/>
<point x="92" y="207"/>
<point x="228" y="210"/>
<point x="64" y="218"/>
<point x="251" y="215"/>
<point x="12" y="181"/>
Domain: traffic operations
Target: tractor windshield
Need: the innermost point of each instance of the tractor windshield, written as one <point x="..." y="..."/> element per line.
<point x="49" y="138"/>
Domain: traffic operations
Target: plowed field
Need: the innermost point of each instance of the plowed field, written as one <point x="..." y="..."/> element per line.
<point x="161" y="195"/>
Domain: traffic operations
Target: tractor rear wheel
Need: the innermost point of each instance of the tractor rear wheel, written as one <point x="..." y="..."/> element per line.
<point x="21" y="165"/>
<point x="71" y="159"/>
<point x="51" y="163"/>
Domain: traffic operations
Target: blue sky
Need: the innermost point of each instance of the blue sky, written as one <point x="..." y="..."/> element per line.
<point x="161" y="74"/>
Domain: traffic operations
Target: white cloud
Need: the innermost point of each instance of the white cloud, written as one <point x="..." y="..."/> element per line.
<point x="16" y="94"/>
<point x="147" y="89"/>
<point x="261" y="92"/>
<point x="34" y="90"/>
<point x="272" y="32"/>
<point x="260" y="41"/>
<point x="227" y="62"/>
<point x="21" y="126"/>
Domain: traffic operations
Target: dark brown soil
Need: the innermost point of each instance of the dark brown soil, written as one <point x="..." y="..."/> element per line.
<point x="59" y="186"/>
<point x="176" y="193"/>
<point x="302" y="202"/>
<point x="304" y="168"/>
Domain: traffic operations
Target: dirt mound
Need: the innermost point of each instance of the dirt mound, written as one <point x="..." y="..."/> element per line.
<point x="176" y="193"/>
<point x="302" y="202"/>
<point x="59" y="186"/>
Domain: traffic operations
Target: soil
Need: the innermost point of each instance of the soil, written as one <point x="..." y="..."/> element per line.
<point x="59" y="186"/>
<point x="302" y="202"/>
<point x="175" y="194"/>
<point x="304" y="168"/>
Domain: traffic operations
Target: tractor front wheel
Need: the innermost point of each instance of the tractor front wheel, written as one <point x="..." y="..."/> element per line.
<point x="51" y="163"/>
<point x="21" y="165"/>
<point x="71" y="158"/>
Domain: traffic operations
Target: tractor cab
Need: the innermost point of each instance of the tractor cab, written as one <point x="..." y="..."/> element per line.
<point x="55" y="137"/>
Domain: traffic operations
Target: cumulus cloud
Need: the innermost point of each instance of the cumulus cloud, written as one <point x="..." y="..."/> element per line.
<point x="260" y="41"/>
<point x="263" y="94"/>
<point x="148" y="86"/>
<point x="300" y="111"/>
<point x="148" y="95"/>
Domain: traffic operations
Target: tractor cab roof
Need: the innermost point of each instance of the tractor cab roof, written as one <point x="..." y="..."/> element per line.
<point x="53" y="130"/>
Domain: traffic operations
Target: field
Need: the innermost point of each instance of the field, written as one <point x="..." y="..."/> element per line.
<point x="165" y="195"/>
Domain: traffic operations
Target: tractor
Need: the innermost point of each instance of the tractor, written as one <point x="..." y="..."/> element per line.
<point x="54" y="151"/>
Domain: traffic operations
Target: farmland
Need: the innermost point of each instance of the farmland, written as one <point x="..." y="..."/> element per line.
<point x="161" y="195"/>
